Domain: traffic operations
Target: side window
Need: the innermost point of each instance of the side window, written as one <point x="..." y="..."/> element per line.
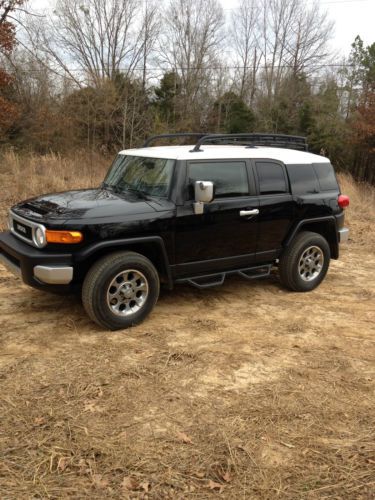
<point x="229" y="177"/>
<point x="326" y="176"/>
<point x="303" y="179"/>
<point x="271" y="178"/>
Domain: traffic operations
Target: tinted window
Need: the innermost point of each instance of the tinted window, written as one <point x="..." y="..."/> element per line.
<point x="303" y="179"/>
<point x="229" y="178"/>
<point x="271" y="178"/>
<point x="326" y="176"/>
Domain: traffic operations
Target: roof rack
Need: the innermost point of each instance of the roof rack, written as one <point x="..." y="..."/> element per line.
<point x="252" y="140"/>
<point x="247" y="140"/>
<point x="153" y="138"/>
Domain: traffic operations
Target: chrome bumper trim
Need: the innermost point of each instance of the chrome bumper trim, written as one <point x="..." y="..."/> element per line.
<point x="343" y="235"/>
<point x="10" y="266"/>
<point x="54" y="275"/>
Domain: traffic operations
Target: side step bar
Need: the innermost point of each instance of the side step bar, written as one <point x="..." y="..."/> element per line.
<point x="209" y="280"/>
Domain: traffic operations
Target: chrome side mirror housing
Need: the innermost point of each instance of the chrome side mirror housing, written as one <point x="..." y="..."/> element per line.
<point x="204" y="193"/>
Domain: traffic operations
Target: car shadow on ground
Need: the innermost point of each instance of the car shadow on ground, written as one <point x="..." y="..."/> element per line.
<point x="53" y="315"/>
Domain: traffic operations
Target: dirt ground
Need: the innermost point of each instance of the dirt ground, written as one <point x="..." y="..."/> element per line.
<point x="241" y="391"/>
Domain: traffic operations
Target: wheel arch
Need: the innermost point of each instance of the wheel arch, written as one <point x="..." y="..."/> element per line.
<point x="151" y="247"/>
<point x="325" y="226"/>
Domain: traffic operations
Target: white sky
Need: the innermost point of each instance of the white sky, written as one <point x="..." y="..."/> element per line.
<point x="352" y="18"/>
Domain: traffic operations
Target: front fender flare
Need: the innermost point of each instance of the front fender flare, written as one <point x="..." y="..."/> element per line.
<point x="88" y="252"/>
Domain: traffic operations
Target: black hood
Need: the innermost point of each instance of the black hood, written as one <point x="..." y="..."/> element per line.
<point x="84" y="203"/>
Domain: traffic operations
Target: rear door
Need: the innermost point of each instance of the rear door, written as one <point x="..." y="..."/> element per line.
<point x="223" y="237"/>
<point x="276" y="207"/>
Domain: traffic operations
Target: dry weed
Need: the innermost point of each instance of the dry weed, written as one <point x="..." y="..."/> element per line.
<point x="244" y="391"/>
<point x="27" y="175"/>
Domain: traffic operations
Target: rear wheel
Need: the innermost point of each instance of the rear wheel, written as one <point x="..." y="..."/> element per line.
<point x="305" y="262"/>
<point x="120" y="290"/>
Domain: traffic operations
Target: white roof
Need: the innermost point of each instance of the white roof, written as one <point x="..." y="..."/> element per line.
<point x="219" y="152"/>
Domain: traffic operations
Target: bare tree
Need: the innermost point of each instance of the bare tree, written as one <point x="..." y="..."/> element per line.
<point x="294" y="39"/>
<point x="96" y="37"/>
<point x="151" y="26"/>
<point x="193" y="32"/>
<point x="277" y="17"/>
<point x="244" y="31"/>
<point x="307" y="44"/>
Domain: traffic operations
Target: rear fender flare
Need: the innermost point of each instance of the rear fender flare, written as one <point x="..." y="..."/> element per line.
<point x="328" y="222"/>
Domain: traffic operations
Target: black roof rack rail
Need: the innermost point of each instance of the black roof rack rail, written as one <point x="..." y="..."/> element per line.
<point x="252" y="140"/>
<point x="153" y="138"/>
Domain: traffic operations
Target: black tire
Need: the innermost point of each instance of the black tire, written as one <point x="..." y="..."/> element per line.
<point x="289" y="265"/>
<point x="97" y="283"/>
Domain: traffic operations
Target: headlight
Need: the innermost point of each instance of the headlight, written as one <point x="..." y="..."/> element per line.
<point x="40" y="237"/>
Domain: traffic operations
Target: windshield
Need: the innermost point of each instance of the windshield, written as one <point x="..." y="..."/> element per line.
<point x="145" y="176"/>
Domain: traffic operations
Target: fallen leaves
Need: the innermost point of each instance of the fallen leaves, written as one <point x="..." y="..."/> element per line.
<point x="92" y="407"/>
<point x="227" y="477"/>
<point x="99" y="482"/>
<point x="223" y="475"/>
<point x="62" y="463"/>
<point x="131" y="483"/>
<point x="145" y="486"/>
<point x="212" y="485"/>
<point x="181" y="436"/>
<point x="39" y="421"/>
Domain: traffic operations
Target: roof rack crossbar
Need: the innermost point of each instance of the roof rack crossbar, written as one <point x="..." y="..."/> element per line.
<point x="153" y="138"/>
<point x="251" y="140"/>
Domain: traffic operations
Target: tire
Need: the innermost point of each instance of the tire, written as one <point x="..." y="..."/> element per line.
<point x="120" y="290"/>
<point x="304" y="264"/>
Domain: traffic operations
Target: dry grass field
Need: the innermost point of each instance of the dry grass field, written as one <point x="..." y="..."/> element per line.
<point x="242" y="391"/>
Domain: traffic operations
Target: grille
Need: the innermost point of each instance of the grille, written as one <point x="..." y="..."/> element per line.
<point x="24" y="229"/>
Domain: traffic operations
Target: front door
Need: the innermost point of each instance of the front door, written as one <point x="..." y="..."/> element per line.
<point x="224" y="237"/>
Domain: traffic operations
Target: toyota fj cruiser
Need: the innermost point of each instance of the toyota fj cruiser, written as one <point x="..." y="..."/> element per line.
<point x="230" y="204"/>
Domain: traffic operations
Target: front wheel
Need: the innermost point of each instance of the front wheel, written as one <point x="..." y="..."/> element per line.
<point x="305" y="262"/>
<point x="120" y="290"/>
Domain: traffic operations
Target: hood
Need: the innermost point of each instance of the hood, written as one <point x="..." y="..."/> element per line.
<point x="84" y="203"/>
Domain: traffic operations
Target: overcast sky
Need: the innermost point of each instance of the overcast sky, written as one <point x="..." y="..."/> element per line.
<point x="352" y="18"/>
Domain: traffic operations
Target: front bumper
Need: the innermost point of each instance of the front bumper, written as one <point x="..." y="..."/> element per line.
<point x="37" y="268"/>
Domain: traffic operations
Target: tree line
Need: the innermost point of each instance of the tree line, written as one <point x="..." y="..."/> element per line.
<point x="105" y="74"/>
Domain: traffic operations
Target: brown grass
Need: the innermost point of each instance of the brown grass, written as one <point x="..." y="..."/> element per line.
<point x="243" y="391"/>
<point x="361" y="215"/>
<point x="27" y="175"/>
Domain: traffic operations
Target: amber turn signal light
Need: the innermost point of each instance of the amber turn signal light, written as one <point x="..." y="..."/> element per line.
<point x="67" y="237"/>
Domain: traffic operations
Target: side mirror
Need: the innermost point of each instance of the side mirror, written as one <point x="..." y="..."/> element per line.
<point x="204" y="193"/>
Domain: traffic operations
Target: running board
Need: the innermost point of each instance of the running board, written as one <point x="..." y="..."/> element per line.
<point x="209" y="280"/>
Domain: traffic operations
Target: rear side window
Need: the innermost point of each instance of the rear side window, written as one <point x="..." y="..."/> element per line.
<point x="303" y="179"/>
<point x="326" y="176"/>
<point x="271" y="178"/>
<point x="229" y="177"/>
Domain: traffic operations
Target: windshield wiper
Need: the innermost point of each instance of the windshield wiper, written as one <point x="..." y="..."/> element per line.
<point x="140" y="194"/>
<point x="123" y="189"/>
<point x="133" y="190"/>
<point x="104" y="185"/>
<point x="112" y="187"/>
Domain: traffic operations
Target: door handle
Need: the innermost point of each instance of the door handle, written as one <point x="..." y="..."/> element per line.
<point x="246" y="213"/>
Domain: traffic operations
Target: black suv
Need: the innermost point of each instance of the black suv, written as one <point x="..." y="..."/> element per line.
<point x="231" y="204"/>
